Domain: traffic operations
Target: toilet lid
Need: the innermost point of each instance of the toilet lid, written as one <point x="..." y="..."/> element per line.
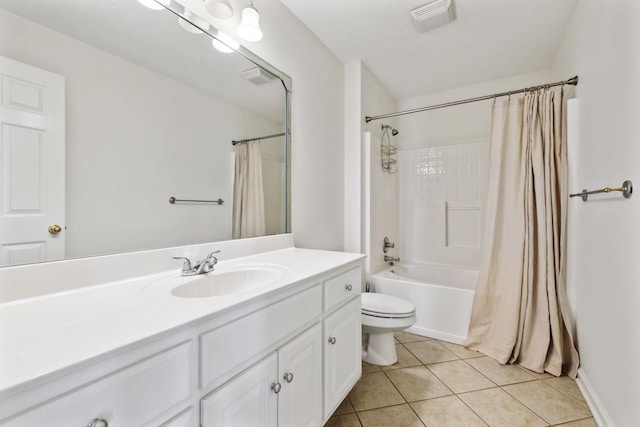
<point x="385" y="304"/>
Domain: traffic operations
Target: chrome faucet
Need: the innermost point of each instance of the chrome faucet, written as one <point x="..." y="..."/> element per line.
<point x="200" y="267"/>
<point x="388" y="258"/>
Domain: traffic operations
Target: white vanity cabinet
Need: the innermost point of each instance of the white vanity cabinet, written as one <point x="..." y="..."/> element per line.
<point x="139" y="394"/>
<point x="300" y="373"/>
<point x="285" y="358"/>
<point x="343" y="353"/>
<point x="302" y="382"/>
<point x="284" y="389"/>
<point x="342" y="338"/>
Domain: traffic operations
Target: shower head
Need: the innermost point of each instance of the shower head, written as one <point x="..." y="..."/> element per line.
<point x="394" y="132"/>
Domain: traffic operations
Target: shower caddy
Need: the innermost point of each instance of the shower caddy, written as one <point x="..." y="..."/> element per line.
<point x="388" y="151"/>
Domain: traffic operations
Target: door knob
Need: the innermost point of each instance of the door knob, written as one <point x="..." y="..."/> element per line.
<point x="55" y="229"/>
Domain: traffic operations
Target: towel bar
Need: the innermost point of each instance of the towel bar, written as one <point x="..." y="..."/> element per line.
<point x="626" y="189"/>
<point x="173" y="201"/>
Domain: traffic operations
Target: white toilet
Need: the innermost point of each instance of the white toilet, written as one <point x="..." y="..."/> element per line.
<point x="382" y="315"/>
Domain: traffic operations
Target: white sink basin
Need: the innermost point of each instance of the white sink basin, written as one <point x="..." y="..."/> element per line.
<point x="221" y="282"/>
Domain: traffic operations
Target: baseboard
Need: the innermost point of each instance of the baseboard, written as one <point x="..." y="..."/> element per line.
<point x="455" y="339"/>
<point x="595" y="405"/>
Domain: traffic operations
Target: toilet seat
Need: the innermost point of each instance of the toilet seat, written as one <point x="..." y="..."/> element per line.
<point x="386" y="306"/>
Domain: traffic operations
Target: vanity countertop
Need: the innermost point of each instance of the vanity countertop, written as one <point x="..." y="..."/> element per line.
<point x="42" y="335"/>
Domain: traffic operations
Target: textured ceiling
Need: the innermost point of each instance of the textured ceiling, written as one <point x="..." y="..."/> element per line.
<point x="490" y="39"/>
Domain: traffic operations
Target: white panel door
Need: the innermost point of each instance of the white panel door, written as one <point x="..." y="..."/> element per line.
<point x="32" y="164"/>
<point x="300" y="373"/>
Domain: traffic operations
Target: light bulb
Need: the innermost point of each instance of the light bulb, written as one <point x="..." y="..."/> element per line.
<point x="249" y="29"/>
<point x="224" y="43"/>
<point x="220" y="9"/>
<point x="155" y="5"/>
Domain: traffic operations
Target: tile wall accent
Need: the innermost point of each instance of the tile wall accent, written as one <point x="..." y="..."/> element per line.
<point x="441" y="198"/>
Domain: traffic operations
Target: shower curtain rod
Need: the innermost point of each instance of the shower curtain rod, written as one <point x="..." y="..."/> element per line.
<point x="242" y="141"/>
<point x="572" y="81"/>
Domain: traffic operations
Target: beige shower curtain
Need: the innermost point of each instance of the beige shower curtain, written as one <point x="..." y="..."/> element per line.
<point x="520" y="312"/>
<point x="248" y="194"/>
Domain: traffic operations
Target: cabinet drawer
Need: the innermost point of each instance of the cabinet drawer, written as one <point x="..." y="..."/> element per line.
<point x="341" y="288"/>
<point x="133" y="396"/>
<point x="229" y="349"/>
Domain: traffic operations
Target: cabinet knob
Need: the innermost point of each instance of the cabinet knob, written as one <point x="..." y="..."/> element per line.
<point x="98" y="422"/>
<point x="275" y="387"/>
<point x="288" y="377"/>
<point x="348" y="287"/>
<point x="332" y="340"/>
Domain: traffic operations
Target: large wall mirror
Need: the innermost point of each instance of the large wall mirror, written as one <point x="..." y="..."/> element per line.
<point x="109" y="109"/>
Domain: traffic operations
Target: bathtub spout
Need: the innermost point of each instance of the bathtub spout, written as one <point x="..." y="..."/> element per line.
<point x="388" y="258"/>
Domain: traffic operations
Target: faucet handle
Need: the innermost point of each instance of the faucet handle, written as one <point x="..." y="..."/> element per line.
<point x="207" y="264"/>
<point x="210" y="258"/>
<point x="388" y="244"/>
<point x="186" y="265"/>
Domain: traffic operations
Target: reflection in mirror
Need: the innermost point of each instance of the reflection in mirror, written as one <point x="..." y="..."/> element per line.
<point x="109" y="109"/>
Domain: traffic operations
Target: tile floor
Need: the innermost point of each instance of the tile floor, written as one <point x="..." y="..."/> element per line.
<point x="437" y="384"/>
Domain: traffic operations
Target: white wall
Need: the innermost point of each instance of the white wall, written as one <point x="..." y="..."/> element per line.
<point x="382" y="198"/>
<point x="354" y="209"/>
<point x="443" y="164"/>
<point x="460" y="123"/>
<point x="602" y="46"/>
<point x="152" y="136"/>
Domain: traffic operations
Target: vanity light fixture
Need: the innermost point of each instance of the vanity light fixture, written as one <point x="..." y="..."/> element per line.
<point x="155" y="5"/>
<point x="249" y="28"/>
<point x="224" y="43"/>
<point x="220" y="9"/>
<point x="198" y="23"/>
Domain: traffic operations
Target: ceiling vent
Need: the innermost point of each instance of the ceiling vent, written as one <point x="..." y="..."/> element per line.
<point x="257" y="75"/>
<point x="432" y="15"/>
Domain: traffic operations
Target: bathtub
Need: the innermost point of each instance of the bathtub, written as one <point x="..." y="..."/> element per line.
<point x="442" y="294"/>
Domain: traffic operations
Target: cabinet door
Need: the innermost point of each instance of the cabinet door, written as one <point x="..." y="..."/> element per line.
<point x="300" y="366"/>
<point x="343" y="353"/>
<point x="184" y="419"/>
<point x="247" y="400"/>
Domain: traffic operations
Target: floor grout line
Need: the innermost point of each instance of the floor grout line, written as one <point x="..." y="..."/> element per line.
<point x="525" y="405"/>
<point x="452" y="393"/>
<point x="406" y="402"/>
<point x="580" y="402"/>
